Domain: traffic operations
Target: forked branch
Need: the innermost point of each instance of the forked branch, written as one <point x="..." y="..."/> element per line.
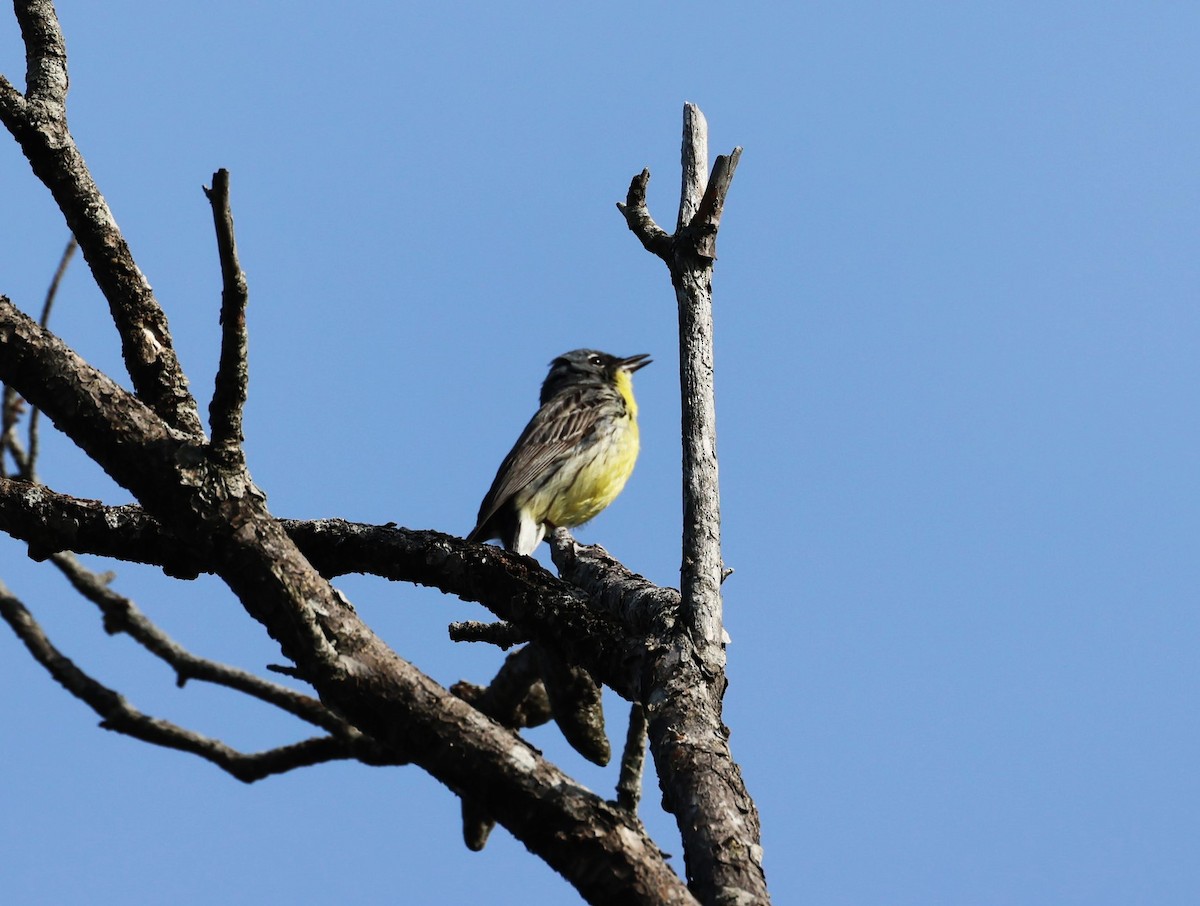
<point x="118" y="715"/>
<point x="687" y="682"/>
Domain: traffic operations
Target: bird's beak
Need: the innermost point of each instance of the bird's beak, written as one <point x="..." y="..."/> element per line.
<point x="634" y="362"/>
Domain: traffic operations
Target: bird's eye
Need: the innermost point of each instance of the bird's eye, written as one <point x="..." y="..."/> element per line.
<point x="594" y="359"/>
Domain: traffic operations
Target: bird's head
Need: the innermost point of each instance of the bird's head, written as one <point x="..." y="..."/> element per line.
<point x="585" y="366"/>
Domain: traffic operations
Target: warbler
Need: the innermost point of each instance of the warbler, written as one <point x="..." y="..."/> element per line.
<point x="574" y="456"/>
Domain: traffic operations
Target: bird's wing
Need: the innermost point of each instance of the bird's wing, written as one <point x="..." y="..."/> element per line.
<point x="556" y="427"/>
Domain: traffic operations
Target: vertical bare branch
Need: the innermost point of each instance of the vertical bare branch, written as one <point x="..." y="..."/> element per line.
<point x="702" y="784"/>
<point x="229" y="391"/>
<point x="35" y="414"/>
<point x="10" y="402"/>
<point x="695" y="165"/>
<point x="700" y="575"/>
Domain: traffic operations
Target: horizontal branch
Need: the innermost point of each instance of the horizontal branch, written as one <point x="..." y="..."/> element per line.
<point x="609" y="640"/>
<point x="502" y="635"/>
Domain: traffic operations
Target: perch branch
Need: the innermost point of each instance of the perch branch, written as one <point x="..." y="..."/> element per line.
<point x="606" y="629"/>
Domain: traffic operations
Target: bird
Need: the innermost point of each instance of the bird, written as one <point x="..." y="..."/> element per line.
<point x="574" y="456"/>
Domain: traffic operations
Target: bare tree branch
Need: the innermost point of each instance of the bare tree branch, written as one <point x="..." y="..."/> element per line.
<point x="592" y="843"/>
<point x="606" y="634"/>
<point x="515" y="698"/>
<point x="200" y="511"/>
<point x="11" y="409"/>
<point x="629" y="783"/>
<point x="122" y="615"/>
<point x="502" y="635"/>
<point x="45" y="52"/>
<point x="707" y="221"/>
<point x="11" y="404"/>
<point x="38" y="122"/>
<point x="118" y="715"/>
<point x="686" y="683"/>
<point x="575" y="702"/>
<point x="229" y="392"/>
<point x="700" y="575"/>
<point x="30" y="473"/>
<point x="656" y="240"/>
<point x="694" y="165"/>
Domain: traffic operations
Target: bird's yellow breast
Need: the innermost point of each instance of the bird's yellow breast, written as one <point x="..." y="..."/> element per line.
<point x="593" y="475"/>
<point x="599" y="478"/>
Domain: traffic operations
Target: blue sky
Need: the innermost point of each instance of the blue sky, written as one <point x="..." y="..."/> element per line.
<point x="956" y="313"/>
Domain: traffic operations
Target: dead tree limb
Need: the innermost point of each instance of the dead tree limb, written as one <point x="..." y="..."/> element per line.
<point x="688" y="739"/>
<point x="38" y="121"/>
<point x="233" y="373"/>
<point x="199" y="510"/>
<point x="121" y="717"/>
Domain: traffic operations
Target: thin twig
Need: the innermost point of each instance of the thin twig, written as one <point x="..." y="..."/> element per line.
<point x="118" y="715"/>
<point x="229" y="390"/>
<point x="11" y="407"/>
<point x="59" y="273"/>
<point x="30" y="471"/>
<point x="123" y="615"/>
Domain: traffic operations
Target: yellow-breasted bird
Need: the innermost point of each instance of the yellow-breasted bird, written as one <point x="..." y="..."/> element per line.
<point x="574" y="456"/>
